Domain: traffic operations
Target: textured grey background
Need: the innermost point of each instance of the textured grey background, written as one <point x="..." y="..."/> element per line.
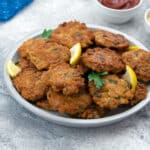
<point x="21" y="130"/>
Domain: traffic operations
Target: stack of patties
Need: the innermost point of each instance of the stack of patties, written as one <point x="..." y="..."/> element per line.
<point x="49" y="81"/>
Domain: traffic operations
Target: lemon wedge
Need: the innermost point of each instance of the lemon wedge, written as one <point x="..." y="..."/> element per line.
<point x="12" y="69"/>
<point x="133" y="48"/>
<point x="75" y="54"/>
<point x="130" y="77"/>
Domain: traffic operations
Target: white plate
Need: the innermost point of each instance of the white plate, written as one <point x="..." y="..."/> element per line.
<point x="58" y="118"/>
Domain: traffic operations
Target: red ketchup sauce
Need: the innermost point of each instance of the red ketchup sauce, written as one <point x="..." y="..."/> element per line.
<point x="119" y="4"/>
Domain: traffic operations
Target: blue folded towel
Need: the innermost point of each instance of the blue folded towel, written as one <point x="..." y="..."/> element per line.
<point x="8" y="8"/>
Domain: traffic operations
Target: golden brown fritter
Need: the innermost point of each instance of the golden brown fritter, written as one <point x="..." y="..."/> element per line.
<point x="24" y="63"/>
<point x="91" y="112"/>
<point x="45" y="77"/>
<point x="103" y="59"/>
<point x="139" y="60"/>
<point x="70" y="33"/>
<point x="47" y="53"/>
<point x="68" y="104"/>
<point x="30" y="85"/>
<point x="114" y="93"/>
<point x="30" y="44"/>
<point x="44" y="104"/>
<point x="65" y="78"/>
<point x="140" y="94"/>
<point x="110" y="40"/>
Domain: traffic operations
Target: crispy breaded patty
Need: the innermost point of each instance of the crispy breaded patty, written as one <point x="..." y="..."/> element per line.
<point x="70" y="33"/>
<point x="114" y="93"/>
<point x="102" y="59"/>
<point x="30" y="44"/>
<point x="110" y="40"/>
<point x="65" y="78"/>
<point x="30" y="85"/>
<point x="47" y="53"/>
<point x="44" y="104"/>
<point x="68" y="104"/>
<point x="139" y="60"/>
<point x="91" y="112"/>
<point x="24" y="63"/>
<point x="140" y="94"/>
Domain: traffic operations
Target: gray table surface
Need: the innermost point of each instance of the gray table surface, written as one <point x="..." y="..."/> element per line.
<point x="21" y="130"/>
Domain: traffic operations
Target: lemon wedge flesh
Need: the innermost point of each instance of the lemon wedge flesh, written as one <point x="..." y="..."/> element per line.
<point x="75" y="54"/>
<point x="133" y="48"/>
<point x="12" y="69"/>
<point x="130" y="77"/>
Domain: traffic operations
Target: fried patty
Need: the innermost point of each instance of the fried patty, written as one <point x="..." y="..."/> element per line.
<point x="103" y="59"/>
<point x="114" y="93"/>
<point x="47" y="53"/>
<point x="139" y="60"/>
<point x="68" y="104"/>
<point x="30" y="44"/>
<point x="110" y="40"/>
<point x="30" y="84"/>
<point x="24" y="63"/>
<point x="44" y="104"/>
<point x="70" y="33"/>
<point x="65" y="78"/>
<point x="140" y="94"/>
<point x="91" y="112"/>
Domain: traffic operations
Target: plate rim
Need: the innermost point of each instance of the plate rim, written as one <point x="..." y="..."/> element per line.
<point x="71" y="122"/>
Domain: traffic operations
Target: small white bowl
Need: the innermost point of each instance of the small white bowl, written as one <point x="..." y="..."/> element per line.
<point x="118" y="16"/>
<point x="147" y="22"/>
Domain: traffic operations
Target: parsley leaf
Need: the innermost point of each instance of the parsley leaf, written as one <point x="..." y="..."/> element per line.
<point x="104" y="73"/>
<point x="96" y="77"/>
<point x="47" y="33"/>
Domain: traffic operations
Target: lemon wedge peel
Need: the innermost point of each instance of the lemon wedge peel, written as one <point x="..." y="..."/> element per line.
<point x="76" y="51"/>
<point x="133" y="48"/>
<point x="130" y="77"/>
<point x="12" y="69"/>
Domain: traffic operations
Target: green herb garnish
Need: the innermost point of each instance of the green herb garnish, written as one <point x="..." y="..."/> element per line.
<point x="96" y="77"/>
<point x="47" y="33"/>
